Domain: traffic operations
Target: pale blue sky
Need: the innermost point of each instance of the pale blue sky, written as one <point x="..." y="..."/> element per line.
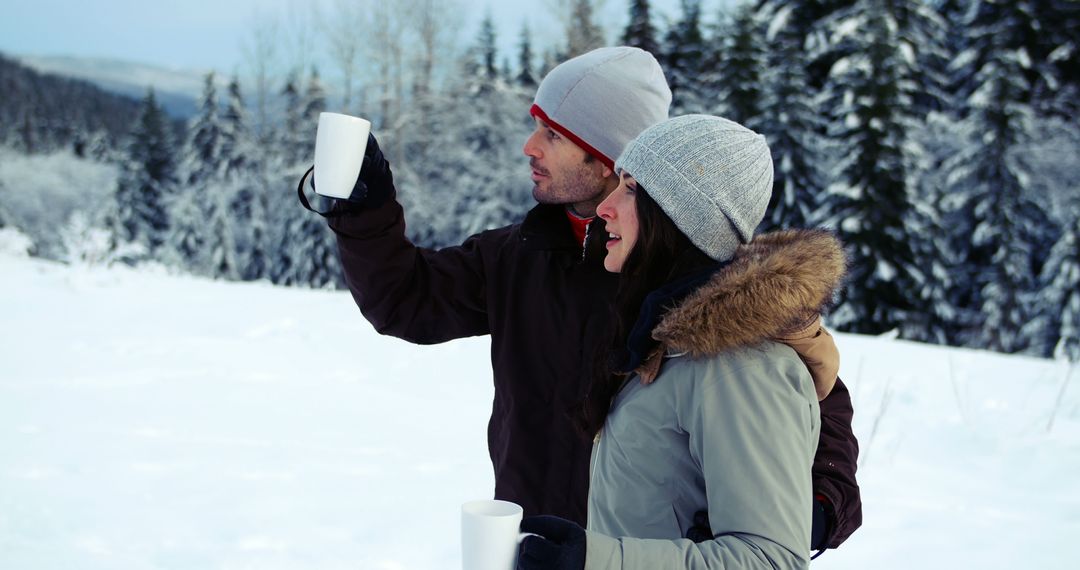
<point x="202" y="34"/>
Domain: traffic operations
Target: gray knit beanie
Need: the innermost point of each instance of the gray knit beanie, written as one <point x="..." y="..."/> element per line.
<point x="601" y="100"/>
<point x="711" y="176"/>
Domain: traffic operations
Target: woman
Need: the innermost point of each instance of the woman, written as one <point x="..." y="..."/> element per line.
<point x="706" y="428"/>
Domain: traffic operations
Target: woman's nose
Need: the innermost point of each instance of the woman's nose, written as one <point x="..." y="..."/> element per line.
<point x="604" y="210"/>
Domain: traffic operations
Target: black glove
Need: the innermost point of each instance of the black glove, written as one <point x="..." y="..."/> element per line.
<point x="701" y="531"/>
<point x="373" y="186"/>
<point x="375" y="182"/>
<point x="560" y="546"/>
<point x="820" y="530"/>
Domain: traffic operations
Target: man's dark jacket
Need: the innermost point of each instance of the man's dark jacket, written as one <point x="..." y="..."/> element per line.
<point x="545" y="303"/>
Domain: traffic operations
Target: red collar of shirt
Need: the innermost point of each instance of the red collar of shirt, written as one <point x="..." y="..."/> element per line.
<point x="579" y="225"/>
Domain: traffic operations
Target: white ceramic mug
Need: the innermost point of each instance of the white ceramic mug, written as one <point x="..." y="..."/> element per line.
<point x="339" y="153"/>
<point x="490" y="535"/>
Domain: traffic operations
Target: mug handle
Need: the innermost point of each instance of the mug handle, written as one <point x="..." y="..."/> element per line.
<point x="303" y="198"/>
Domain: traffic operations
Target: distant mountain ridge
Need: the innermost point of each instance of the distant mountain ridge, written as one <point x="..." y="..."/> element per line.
<point x="177" y="90"/>
<point x="40" y="112"/>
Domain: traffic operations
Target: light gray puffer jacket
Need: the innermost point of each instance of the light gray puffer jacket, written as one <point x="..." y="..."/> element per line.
<point x="729" y="426"/>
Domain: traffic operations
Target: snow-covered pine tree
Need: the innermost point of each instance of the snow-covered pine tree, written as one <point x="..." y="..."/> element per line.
<point x="242" y="184"/>
<point x="221" y="241"/>
<point x="201" y="171"/>
<point x="5" y="217"/>
<point x="293" y="138"/>
<point x="506" y="73"/>
<point x="548" y="62"/>
<point x="237" y="146"/>
<point x="290" y="155"/>
<point x="1068" y="345"/>
<point x="200" y="168"/>
<point x="869" y="198"/>
<point x="922" y="48"/>
<point x="922" y="41"/>
<point x="954" y="12"/>
<point x="789" y="120"/>
<point x="147" y="179"/>
<point x="1061" y="291"/>
<point x="478" y="179"/>
<point x="640" y="32"/>
<point x="428" y="187"/>
<point x="1017" y="26"/>
<point x="582" y="32"/>
<point x="991" y="183"/>
<point x="956" y="15"/>
<point x="939" y="223"/>
<point x="314" y="259"/>
<point x="816" y="25"/>
<point x="314" y="103"/>
<point x="920" y="35"/>
<point x="526" y="76"/>
<point x="684" y="51"/>
<point x="200" y="159"/>
<point x="186" y="242"/>
<point x="935" y="228"/>
<point x="29" y="133"/>
<point x="1061" y="38"/>
<point x="100" y="146"/>
<point x="486" y="47"/>
<point x="305" y="252"/>
<point x="741" y="68"/>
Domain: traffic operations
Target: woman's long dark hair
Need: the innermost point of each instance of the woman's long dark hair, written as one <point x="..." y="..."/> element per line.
<point x="661" y="254"/>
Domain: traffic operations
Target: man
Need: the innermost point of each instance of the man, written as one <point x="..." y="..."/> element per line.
<point x="540" y="290"/>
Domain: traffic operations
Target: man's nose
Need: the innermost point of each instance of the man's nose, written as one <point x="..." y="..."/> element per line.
<point x="530" y="148"/>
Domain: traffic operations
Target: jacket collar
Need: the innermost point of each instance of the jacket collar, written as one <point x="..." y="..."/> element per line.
<point x="546" y="228"/>
<point x="772" y="286"/>
<point x="639" y="340"/>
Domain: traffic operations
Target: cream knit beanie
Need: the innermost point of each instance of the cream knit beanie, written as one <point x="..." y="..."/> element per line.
<point x="603" y="99"/>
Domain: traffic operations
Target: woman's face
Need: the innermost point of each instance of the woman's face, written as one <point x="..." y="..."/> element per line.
<point x="619" y="210"/>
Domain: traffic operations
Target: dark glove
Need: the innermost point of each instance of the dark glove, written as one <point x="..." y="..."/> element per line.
<point x="375" y="182"/>
<point x="560" y="546"/>
<point x="373" y="186"/>
<point x="820" y="529"/>
<point x="701" y="531"/>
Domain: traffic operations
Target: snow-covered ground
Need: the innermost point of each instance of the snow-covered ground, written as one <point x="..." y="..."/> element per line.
<point x="150" y="421"/>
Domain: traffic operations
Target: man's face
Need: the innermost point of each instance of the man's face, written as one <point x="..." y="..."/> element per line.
<point x="563" y="173"/>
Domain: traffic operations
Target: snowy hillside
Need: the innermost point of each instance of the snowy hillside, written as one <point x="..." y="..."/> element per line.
<point x="149" y="421"/>
<point x="177" y="90"/>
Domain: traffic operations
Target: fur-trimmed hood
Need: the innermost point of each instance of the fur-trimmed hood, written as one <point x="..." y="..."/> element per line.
<point x="773" y="286"/>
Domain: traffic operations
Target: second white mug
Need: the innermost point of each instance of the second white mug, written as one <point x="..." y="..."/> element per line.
<point x="490" y="535"/>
